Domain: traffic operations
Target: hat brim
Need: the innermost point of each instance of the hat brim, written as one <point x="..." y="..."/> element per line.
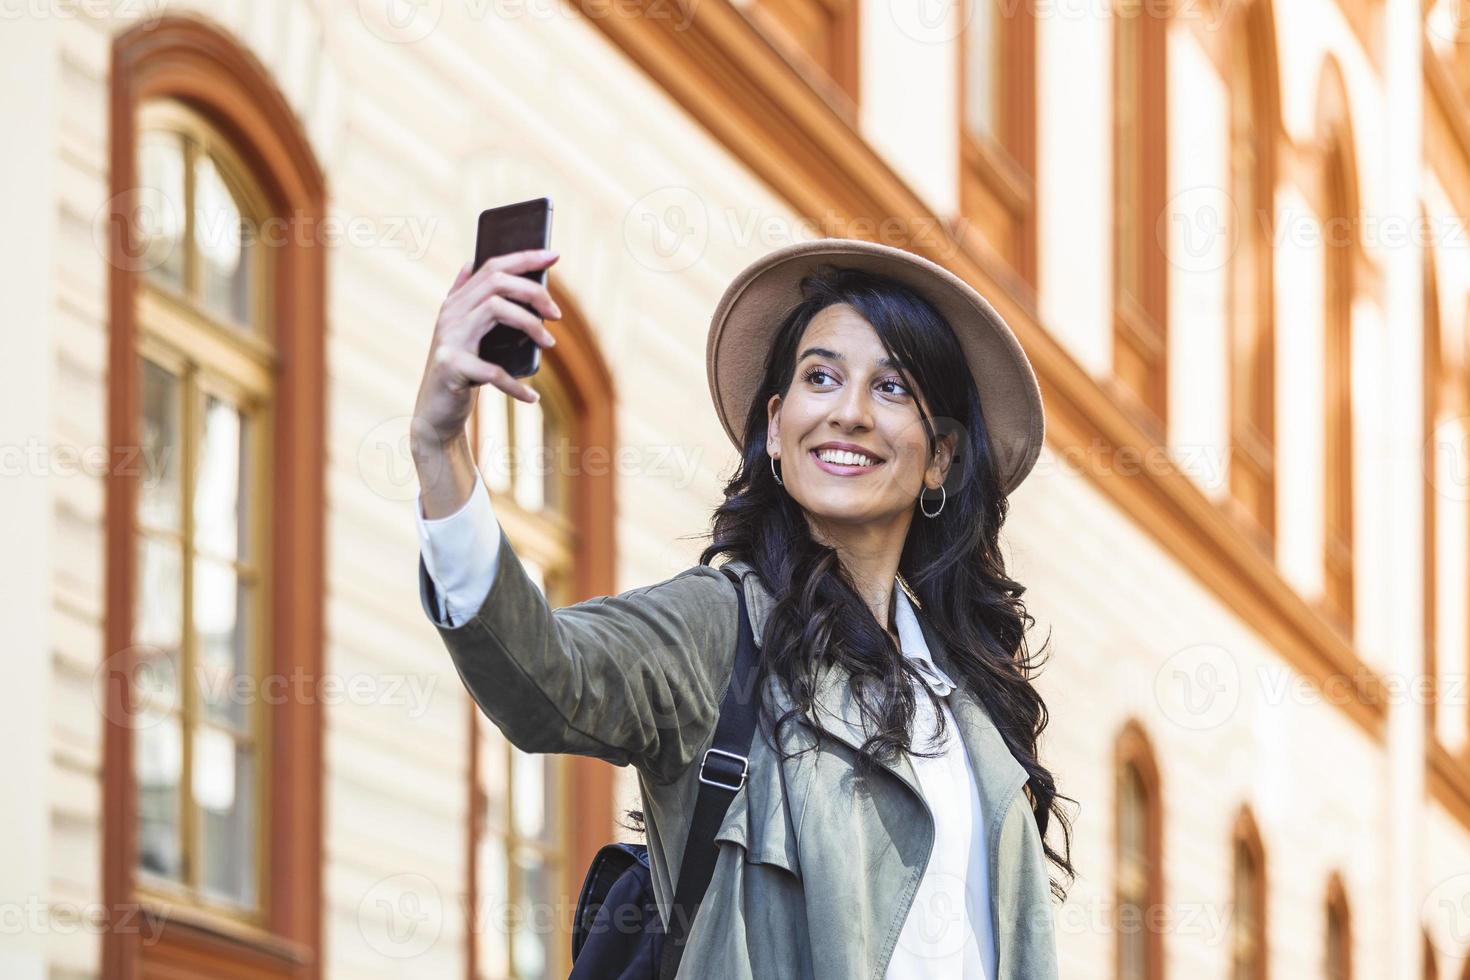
<point x="753" y="305"/>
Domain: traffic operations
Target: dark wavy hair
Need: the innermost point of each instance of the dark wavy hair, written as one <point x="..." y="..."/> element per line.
<point x="953" y="562"/>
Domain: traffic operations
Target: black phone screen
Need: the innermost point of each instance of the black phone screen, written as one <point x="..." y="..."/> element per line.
<point x="513" y="228"/>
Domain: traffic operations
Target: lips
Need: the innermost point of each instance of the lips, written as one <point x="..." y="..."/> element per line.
<point x="842" y="469"/>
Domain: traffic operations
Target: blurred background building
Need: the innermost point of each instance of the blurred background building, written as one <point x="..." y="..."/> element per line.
<point x="1228" y="232"/>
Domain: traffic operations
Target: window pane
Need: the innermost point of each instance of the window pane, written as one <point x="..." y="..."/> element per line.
<point x="531" y="463"/>
<point x="493" y="951"/>
<point x="158" y="218"/>
<point x="980" y="68"/>
<point x="495" y="445"/>
<point x="224" y="794"/>
<point x="219" y="489"/>
<point x="159" y="608"/>
<point x="221" y="617"/>
<point x="494" y="777"/>
<point x="533" y="778"/>
<point x="161" y="449"/>
<point x="555" y="461"/>
<point x="158" y="760"/>
<point x="225" y="249"/>
<point x="536" y="924"/>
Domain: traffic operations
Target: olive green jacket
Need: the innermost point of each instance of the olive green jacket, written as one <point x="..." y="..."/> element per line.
<point x="826" y="868"/>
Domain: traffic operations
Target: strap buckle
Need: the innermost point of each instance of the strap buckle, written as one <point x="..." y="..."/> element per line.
<point x="724" y="769"/>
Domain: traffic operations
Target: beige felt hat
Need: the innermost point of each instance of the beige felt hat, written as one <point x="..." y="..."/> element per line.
<point x="754" y="304"/>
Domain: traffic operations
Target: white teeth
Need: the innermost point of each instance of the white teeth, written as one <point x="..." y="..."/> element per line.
<point x="844" y="458"/>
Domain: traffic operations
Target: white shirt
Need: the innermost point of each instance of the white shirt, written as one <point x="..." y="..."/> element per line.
<point x="947" y="934"/>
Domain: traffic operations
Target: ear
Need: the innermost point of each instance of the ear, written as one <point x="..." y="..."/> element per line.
<point x="773" y="425"/>
<point x="943" y="458"/>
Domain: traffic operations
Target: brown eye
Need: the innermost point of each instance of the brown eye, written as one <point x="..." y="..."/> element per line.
<point x="815" y="372"/>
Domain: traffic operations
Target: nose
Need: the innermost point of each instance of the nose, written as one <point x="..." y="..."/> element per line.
<point x="854" y="409"/>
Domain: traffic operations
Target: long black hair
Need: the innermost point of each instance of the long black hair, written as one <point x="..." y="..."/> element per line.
<point x="952" y="562"/>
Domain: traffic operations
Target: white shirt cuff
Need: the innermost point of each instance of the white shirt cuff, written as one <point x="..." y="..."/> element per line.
<point x="460" y="553"/>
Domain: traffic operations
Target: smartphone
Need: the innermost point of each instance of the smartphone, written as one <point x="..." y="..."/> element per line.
<point x="513" y="228"/>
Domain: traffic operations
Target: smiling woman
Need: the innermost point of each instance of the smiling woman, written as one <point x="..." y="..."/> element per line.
<point x="861" y="383"/>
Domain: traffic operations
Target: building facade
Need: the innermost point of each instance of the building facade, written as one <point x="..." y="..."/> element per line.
<point x="1229" y="233"/>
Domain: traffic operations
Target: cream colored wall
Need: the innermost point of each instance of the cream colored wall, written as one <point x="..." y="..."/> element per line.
<point x="1230" y="724"/>
<point x="424" y="133"/>
<point x="1446" y="895"/>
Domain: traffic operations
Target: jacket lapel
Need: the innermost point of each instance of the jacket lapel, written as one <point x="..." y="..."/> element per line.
<point x="996" y="769"/>
<point x="835" y="707"/>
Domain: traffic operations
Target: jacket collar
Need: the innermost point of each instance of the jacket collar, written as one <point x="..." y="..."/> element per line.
<point x="997" y="772"/>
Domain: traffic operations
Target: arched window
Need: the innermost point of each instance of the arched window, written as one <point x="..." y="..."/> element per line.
<point x="549" y="468"/>
<point x="205" y="361"/>
<point x="1338" y="955"/>
<point x="998" y="127"/>
<point x="1139" y="854"/>
<point x="1337" y="204"/>
<point x="1253" y="133"/>
<point x="212" y="790"/>
<point x="1140" y="186"/>
<point x="1248" y="900"/>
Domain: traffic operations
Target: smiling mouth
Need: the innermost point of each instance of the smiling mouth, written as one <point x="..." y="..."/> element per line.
<point x="845" y="468"/>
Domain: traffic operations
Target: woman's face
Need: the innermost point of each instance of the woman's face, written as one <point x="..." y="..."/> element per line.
<point x="846" y="392"/>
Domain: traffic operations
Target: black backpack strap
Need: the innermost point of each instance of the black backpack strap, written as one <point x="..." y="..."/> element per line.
<point x="722" y="772"/>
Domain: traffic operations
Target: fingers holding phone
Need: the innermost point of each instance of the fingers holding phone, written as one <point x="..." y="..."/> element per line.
<point x="501" y="290"/>
<point x="477" y="303"/>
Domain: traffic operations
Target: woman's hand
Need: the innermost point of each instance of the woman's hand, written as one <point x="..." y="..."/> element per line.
<point x="454" y="371"/>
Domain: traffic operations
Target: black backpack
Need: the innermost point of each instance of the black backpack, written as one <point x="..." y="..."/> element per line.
<point x="617" y="933"/>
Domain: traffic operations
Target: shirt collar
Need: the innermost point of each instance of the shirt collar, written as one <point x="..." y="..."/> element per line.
<point x="911" y="641"/>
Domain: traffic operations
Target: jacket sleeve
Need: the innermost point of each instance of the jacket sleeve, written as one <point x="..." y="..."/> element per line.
<point x="636" y="678"/>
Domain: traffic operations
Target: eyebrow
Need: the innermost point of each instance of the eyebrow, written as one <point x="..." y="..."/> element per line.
<point x="883" y="362"/>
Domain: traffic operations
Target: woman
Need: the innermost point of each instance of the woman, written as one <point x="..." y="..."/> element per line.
<point x="894" y="819"/>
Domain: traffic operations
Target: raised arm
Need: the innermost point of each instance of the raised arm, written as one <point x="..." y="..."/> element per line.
<point x="635" y="678"/>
